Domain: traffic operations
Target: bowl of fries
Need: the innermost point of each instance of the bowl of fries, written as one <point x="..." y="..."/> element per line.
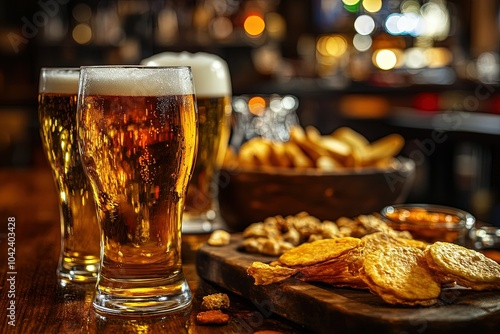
<point x="328" y="176"/>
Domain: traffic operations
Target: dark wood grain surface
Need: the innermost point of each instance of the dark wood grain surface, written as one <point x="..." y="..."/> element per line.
<point x="326" y="309"/>
<point x="43" y="306"/>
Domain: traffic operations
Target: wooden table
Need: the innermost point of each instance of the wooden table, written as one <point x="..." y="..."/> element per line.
<point x="43" y="306"/>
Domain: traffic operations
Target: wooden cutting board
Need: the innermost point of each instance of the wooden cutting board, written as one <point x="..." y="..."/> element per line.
<point x="322" y="308"/>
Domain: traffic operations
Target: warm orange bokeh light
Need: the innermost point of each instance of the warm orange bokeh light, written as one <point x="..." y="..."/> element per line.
<point x="257" y="105"/>
<point x="254" y="25"/>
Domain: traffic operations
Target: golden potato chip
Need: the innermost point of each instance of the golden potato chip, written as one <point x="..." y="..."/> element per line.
<point x="379" y="240"/>
<point x="318" y="251"/>
<point x="400" y="275"/>
<point x="337" y="271"/>
<point x="265" y="274"/>
<point x="467" y="267"/>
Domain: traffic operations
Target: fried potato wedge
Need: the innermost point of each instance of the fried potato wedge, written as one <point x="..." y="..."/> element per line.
<point x="317" y="251"/>
<point x="308" y="148"/>
<point x="466" y="267"/>
<point x="298" y="158"/>
<point x="384" y="148"/>
<point x="400" y="275"/>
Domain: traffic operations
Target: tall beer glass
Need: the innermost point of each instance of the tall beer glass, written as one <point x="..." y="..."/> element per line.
<point x="213" y="92"/>
<point x="138" y="136"/>
<point x="57" y="98"/>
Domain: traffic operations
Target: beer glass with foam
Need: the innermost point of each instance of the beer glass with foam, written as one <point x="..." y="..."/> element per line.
<point x="213" y="92"/>
<point x="57" y="98"/>
<point x="138" y="136"/>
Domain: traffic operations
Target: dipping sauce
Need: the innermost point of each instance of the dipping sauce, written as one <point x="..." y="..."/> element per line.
<point x="430" y="223"/>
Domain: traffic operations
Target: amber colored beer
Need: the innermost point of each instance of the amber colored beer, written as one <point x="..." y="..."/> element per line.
<point x="213" y="136"/>
<point x="79" y="258"/>
<point x="138" y="151"/>
<point x="213" y="90"/>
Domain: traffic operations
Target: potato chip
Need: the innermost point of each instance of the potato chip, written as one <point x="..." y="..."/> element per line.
<point x="337" y="271"/>
<point x="318" y="251"/>
<point x="400" y="275"/>
<point x="467" y="267"/>
<point x="265" y="274"/>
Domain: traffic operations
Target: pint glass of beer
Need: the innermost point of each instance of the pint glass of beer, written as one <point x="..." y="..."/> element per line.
<point x="138" y="136"/>
<point x="57" y="99"/>
<point x="213" y="92"/>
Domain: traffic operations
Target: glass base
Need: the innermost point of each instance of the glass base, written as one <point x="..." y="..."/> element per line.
<point x="74" y="271"/>
<point x="201" y="223"/>
<point x="144" y="299"/>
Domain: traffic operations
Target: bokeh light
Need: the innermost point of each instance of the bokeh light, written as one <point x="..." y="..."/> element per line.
<point x="254" y="25"/>
<point x="82" y="12"/>
<point x="275" y="25"/>
<point x="332" y="45"/>
<point x="364" y="25"/>
<point x="221" y="27"/>
<point x="351" y="5"/>
<point x="415" y="58"/>
<point x="404" y="24"/>
<point x="385" y="59"/>
<point x="438" y="57"/>
<point x="82" y="33"/>
<point x="362" y="42"/>
<point x="372" y="6"/>
<point x="257" y="105"/>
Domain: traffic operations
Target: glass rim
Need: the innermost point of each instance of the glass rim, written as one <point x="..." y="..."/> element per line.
<point x="148" y="67"/>
<point x="59" y="68"/>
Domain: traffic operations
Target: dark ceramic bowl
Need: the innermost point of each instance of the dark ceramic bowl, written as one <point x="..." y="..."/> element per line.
<point x="247" y="196"/>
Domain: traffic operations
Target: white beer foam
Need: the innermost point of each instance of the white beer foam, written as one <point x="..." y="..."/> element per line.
<point x="210" y="72"/>
<point x="58" y="80"/>
<point x="136" y="81"/>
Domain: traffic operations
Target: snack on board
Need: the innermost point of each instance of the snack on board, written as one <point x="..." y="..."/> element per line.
<point x="401" y="271"/>
<point x="265" y="274"/>
<point x="212" y="317"/>
<point x="275" y="235"/>
<point x="219" y="238"/>
<point x="400" y="275"/>
<point x="307" y="148"/>
<point x="215" y="301"/>
<point x="340" y="271"/>
<point x="466" y="267"/>
<point x="318" y="251"/>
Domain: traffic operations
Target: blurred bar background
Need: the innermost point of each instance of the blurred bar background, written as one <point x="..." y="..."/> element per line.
<point x="429" y="70"/>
